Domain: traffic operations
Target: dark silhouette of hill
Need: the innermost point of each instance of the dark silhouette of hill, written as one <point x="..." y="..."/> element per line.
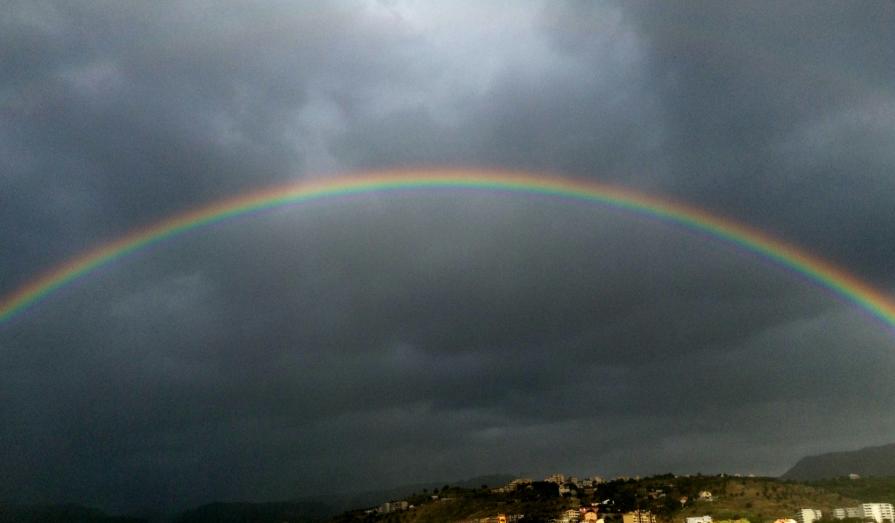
<point x="348" y="501"/>
<point x="319" y="508"/>
<point x="867" y="462"/>
<point x="67" y="513"/>
<point x="299" y="512"/>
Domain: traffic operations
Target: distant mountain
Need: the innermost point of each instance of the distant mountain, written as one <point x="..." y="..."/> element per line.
<point x="320" y="508"/>
<point x="257" y="513"/>
<point x="305" y="510"/>
<point x="355" y="500"/>
<point x="68" y="513"/>
<point x="867" y="462"/>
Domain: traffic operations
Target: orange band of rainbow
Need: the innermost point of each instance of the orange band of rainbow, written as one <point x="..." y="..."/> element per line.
<point x="821" y="272"/>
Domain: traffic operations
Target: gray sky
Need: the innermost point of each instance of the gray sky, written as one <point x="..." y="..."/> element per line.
<point x="380" y="340"/>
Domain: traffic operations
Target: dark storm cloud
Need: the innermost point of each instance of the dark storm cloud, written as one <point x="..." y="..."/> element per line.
<point x="389" y="339"/>
<point x="777" y="112"/>
<point x="116" y="115"/>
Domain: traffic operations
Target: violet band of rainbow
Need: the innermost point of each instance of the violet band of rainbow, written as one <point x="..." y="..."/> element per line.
<point x="826" y="275"/>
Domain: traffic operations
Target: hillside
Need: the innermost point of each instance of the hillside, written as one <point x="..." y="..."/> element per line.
<point x="58" y="514"/>
<point x="763" y="499"/>
<point x="867" y="462"/>
<point x="347" y="501"/>
<point x="759" y="500"/>
<point x="877" y="490"/>
<point x="256" y="513"/>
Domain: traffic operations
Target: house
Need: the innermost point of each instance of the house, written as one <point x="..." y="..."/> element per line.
<point x="700" y="519"/>
<point x="705" y="495"/>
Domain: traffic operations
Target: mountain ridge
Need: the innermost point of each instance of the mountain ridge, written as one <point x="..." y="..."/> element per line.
<point x="877" y="461"/>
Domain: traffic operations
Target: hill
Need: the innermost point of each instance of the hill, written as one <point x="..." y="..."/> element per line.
<point x="256" y="513"/>
<point x="874" y="490"/>
<point x="355" y="500"/>
<point x="760" y="500"/>
<point x="67" y="513"/>
<point x="867" y="462"/>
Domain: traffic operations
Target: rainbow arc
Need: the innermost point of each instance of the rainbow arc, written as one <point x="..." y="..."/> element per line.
<point x="838" y="281"/>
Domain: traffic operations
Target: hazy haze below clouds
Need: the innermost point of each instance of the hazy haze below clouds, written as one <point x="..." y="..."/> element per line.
<point x="386" y="339"/>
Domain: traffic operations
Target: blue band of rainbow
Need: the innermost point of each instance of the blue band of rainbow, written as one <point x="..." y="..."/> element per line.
<point x="821" y="272"/>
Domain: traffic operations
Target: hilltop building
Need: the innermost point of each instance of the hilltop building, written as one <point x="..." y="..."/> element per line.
<point x="808" y="515"/>
<point x="512" y="486"/>
<point x="392" y="506"/>
<point x="559" y="479"/>
<point x="639" y="516"/>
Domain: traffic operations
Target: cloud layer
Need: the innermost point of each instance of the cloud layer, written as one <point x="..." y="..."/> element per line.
<point x="391" y="339"/>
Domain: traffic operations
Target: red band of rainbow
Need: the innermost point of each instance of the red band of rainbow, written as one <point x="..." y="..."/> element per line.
<point x="840" y="282"/>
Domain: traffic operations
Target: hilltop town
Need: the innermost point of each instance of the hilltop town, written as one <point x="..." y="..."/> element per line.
<point x="657" y="499"/>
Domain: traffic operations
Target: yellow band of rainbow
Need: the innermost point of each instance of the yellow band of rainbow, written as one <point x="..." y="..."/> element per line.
<point x="840" y="282"/>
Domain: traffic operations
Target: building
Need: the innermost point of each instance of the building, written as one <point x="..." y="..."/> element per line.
<point x="878" y="512"/>
<point x="512" y="486"/>
<point x="559" y="479"/>
<point x="700" y="519"/>
<point x="848" y="512"/>
<point x="808" y="515"/>
<point x="639" y="516"/>
<point x="705" y="495"/>
<point x="520" y="482"/>
<point x="392" y="506"/>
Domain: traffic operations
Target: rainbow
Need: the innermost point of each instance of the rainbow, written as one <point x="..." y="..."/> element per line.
<point x="840" y="282"/>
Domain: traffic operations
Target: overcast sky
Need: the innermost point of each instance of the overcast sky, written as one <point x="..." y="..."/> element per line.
<point x="380" y="340"/>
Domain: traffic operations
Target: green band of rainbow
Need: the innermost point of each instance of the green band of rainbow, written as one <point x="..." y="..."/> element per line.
<point x="823" y="273"/>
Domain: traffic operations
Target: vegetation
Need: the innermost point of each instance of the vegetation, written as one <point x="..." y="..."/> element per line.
<point x="671" y="498"/>
<point x="873" y="490"/>
<point x="760" y="500"/>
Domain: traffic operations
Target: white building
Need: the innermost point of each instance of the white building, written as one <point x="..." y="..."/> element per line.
<point x="559" y="479"/>
<point x="393" y="506"/>
<point x="848" y="512"/>
<point x="808" y="515"/>
<point x="877" y="512"/>
<point x="700" y="519"/>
